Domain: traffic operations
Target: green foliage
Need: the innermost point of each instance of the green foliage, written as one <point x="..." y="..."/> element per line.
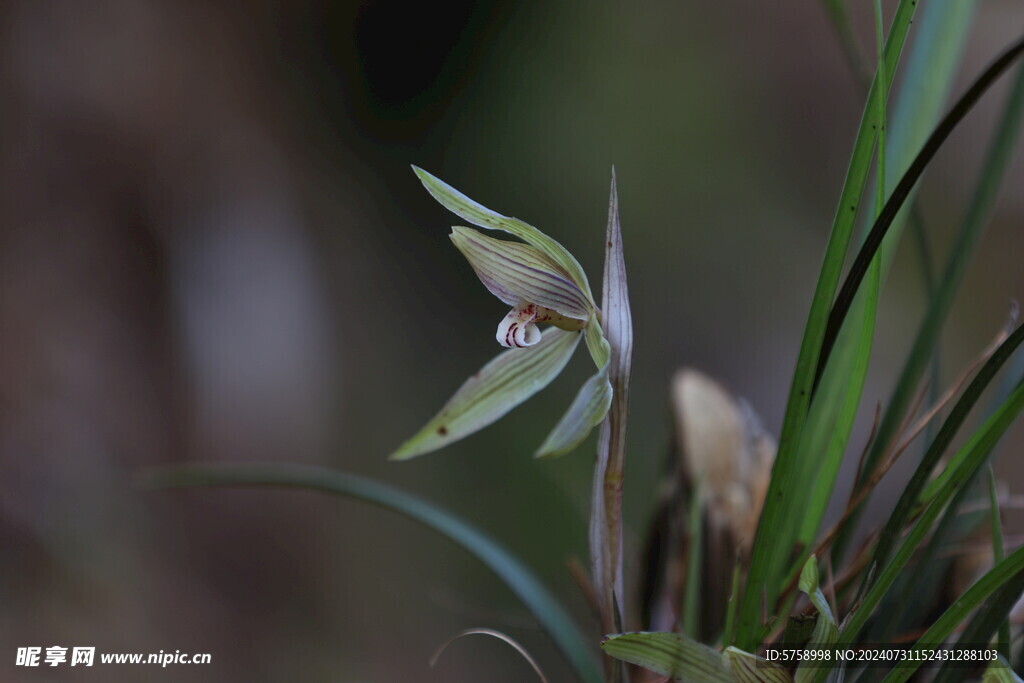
<point x="786" y="503"/>
<point x="670" y="654"/>
<point x="517" y="576"/>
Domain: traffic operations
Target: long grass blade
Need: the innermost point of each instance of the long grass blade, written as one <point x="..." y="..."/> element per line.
<point x="986" y="621"/>
<point x="914" y="593"/>
<point x="832" y="415"/>
<point x="998" y="552"/>
<point x="843" y="29"/>
<point x="989" y="434"/>
<point x="908" y="499"/>
<point x="899" y="195"/>
<point x="971" y="229"/>
<point x="942" y="30"/>
<point x="553" y="618"/>
<point x="834" y="409"/>
<point x="784" y="502"/>
<point x="996" y="578"/>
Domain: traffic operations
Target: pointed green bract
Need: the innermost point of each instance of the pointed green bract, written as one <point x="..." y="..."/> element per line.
<point x="505" y="382"/>
<point x="809" y="585"/>
<point x="481" y="216"/>
<point x="519" y="273"/>
<point x="586" y="412"/>
<point x="669" y="654"/>
<point x="615" y="344"/>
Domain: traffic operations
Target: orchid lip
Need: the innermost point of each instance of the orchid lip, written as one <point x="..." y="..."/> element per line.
<point x="519" y="328"/>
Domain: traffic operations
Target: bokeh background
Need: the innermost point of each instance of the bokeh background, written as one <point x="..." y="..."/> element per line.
<point x="213" y="249"/>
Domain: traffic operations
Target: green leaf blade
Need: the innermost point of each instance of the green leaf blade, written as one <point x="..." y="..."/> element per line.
<point x="971" y="230"/>
<point x="785" y="501"/>
<point x="748" y="668"/>
<point x="996" y="578"/>
<point x="877" y="237"/>
<point x="996" y="522"/>
<point x="669" y="654"/>
<point x="989" y="435"/>
<point x="919" y="480"/>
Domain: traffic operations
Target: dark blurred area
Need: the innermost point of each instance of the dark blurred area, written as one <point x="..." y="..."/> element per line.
<point x="212" y="248"/>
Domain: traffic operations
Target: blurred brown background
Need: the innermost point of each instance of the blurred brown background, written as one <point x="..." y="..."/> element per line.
<point x="212" y="248"/>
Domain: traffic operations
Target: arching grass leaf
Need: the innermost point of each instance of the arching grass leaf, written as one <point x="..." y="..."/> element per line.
<point x="556" y="622"/>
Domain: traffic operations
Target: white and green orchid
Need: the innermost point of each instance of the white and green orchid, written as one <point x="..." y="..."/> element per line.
<point x="545" y="285"/>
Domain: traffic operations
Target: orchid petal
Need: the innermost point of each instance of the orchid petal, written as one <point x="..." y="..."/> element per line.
<point x="586" y="412"/>
<point x="519" y="273"/>
<point x="506" y="381"/>
<point x="481" y="216"/>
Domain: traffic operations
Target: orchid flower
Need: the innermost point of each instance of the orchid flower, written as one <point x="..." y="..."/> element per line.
<point x="544" y="285"/>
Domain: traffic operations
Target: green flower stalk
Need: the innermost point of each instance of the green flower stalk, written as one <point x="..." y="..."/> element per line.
<point x="544" y="285"/>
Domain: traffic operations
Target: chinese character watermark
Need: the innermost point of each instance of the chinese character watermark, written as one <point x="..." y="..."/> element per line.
<point x="55" y="654"/>
<point x="83" y="656"/>
<point x="28" y="656"/>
